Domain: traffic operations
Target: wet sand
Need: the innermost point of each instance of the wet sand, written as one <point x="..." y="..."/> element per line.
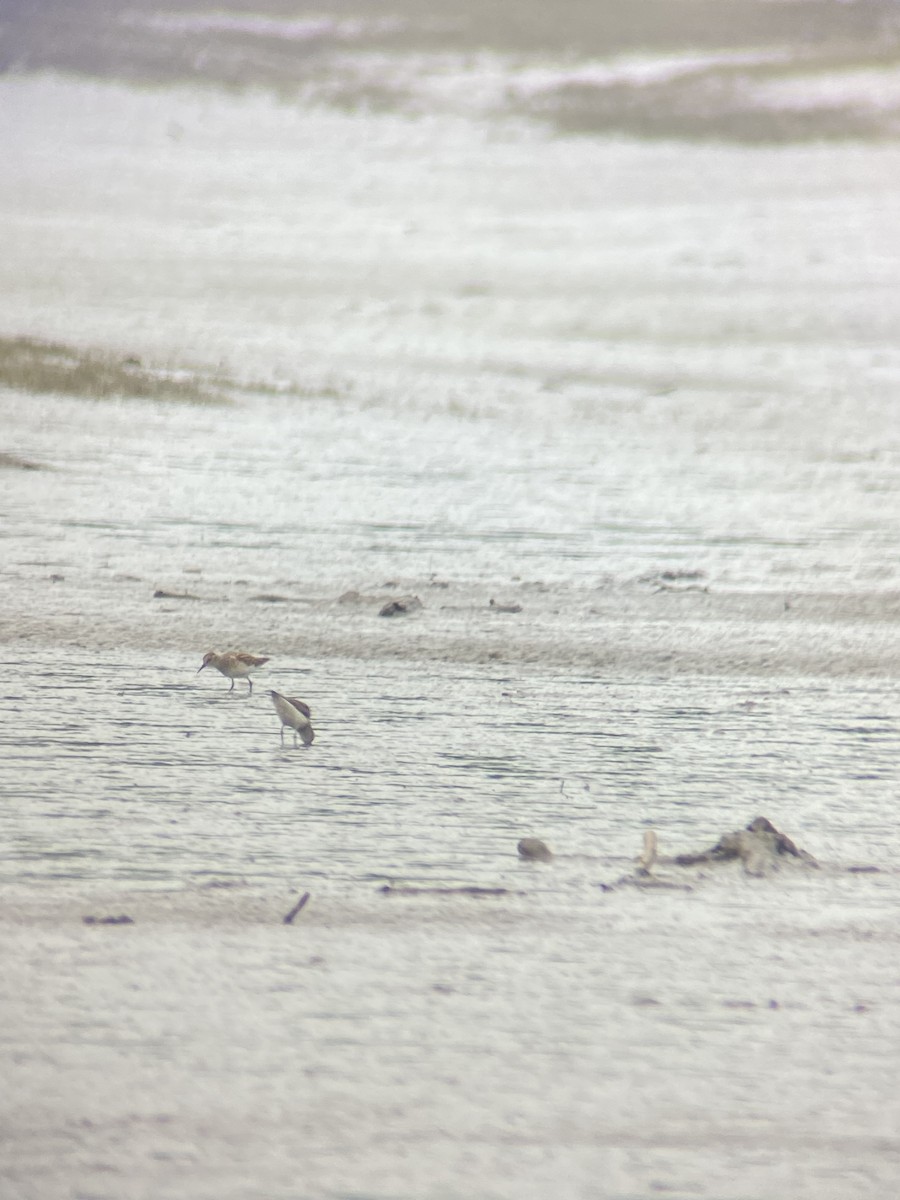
<point x="611" y="632"/>
<point x="435" y="1046"/>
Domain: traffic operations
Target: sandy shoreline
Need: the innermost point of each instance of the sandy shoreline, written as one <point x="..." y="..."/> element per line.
<point x="421" y="1046"/>
<point x="608" y="631"/>
<point x="228" y="905"/>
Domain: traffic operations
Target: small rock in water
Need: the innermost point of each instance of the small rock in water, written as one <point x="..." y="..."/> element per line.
<point x="505" y="608"/>
<point x="401" y="606"/>
<point x="534" y="849"/>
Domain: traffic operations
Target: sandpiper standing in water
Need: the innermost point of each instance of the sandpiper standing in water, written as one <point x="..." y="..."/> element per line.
<point x="233" y="666"/>
<point x="296" y="715"/>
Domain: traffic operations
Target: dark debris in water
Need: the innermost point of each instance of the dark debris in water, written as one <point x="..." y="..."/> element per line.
<point x="122" y="919"/>
<point x="760" y="848"/>
<point x="497" y="606"/>
<point x="401" y="607"/>
<point x="13" y="462"/>
<point x="162" y="594"/>
<point x="390" y="889"/>
<point x="288" y="918"/>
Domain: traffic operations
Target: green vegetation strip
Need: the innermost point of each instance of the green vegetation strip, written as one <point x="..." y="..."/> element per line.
<point x="31" y="365"/>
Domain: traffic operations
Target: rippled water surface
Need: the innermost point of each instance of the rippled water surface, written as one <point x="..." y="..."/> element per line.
<point x="735" y="1040"/>
<point x="140" y="771"/>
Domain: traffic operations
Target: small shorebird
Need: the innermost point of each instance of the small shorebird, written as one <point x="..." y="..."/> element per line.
<point x="233" y="666"/>
<point x="296" y="715"/>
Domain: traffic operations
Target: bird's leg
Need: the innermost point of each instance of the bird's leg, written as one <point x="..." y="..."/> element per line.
<point x="231" y="689"/>
<point x="282" y="735"/>
<point x="250" y="685"/>
<point x="295" y="739"/>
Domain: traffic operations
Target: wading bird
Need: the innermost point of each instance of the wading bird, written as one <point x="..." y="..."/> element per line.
<point x="233" y="666"/>
<point x="296" y="715"/>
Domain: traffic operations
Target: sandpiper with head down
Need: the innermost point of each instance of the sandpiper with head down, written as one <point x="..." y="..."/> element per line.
<point x="233" y="665"/>
<point x="296" y="715"/>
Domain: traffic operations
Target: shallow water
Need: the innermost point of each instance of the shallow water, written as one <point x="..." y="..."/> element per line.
<point x="469" y="362"/>
<point x="146" y="773"/>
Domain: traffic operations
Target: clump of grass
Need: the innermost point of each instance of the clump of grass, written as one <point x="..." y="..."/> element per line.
<point x="31" y="365"/>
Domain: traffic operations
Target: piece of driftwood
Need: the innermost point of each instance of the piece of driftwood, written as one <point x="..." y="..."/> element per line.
<point x="646" y="882"/>
<point x="288" y="918"/>
<point x="162" y="594"/>
<point x="759" y="847"/>
<point x="122" y="919"/>
<point x="390" y="889"/>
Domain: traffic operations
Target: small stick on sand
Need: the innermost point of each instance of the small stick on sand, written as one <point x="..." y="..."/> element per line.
<point x="288" y="918"/>
<point x="648" y="854"/>
<point x="390" y="889"/>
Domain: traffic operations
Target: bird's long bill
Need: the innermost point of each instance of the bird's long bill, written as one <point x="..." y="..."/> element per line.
<point x="200" y="668"/>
